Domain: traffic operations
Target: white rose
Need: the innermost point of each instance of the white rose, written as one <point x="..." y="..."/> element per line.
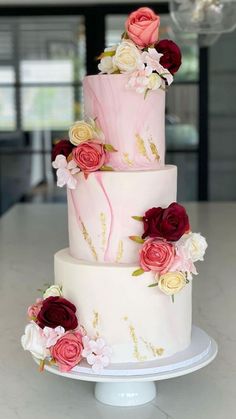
<point x="53" y="291"/>
<point x="194" y="245"/>
<point x="128" y="57"/>
<point x="34" y="341"/>
<point x="171" y="282"/>
<point x="154" y="81"/>
<point x="106" y="65"/>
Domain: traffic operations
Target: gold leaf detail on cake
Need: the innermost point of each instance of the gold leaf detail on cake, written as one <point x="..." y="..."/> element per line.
<point x="88" y="239"/>
<point x="104" y="228"/>
<point x="154" y="150"/>
<point x="141" y="147"/>
<point x="127" y="159"/>
<point x="125" y="318"/>
<point x="119" y="251"/>
<point x="95" y="322"/>
<point x="134" y="338"/>
<point x="156" y="351"/>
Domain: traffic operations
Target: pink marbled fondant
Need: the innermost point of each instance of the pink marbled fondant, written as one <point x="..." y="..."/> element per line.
<point x="123" y="114"/>
<point x="101" y="207"/>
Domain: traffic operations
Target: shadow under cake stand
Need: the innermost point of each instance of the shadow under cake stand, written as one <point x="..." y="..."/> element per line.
<point x="132" y="384"/>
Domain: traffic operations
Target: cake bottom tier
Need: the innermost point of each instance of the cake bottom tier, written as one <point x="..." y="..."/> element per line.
<point x="138" y="322"/>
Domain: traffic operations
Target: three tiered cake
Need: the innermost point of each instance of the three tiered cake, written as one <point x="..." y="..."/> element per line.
<point x="123" y="287"/>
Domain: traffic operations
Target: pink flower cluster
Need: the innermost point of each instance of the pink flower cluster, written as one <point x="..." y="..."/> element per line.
<point x="84" y="151"/>
<point x="55" y="336"/>
<point x="168" y="244"/>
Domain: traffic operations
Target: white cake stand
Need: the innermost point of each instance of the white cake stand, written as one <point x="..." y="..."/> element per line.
<point x="132" y="384"/>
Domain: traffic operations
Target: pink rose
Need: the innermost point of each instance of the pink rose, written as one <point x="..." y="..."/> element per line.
<point x="142" y="27"/>
<point x="157" y="255"/>
<point x="34" y="310"/>
<point x="89" y="156"/>
<point x="182" y="263"/>
<point x="68" y="350"/>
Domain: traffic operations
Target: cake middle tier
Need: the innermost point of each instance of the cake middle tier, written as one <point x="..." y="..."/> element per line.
<point x="101" y="207"/>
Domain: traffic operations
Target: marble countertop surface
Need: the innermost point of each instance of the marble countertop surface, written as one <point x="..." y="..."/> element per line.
<point x="30" y="234"/>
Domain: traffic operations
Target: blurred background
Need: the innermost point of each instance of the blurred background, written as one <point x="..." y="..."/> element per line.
<point x="46" y="49"/>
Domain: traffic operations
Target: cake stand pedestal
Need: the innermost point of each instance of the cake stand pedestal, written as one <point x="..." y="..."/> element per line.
<point x="132" y="384"/>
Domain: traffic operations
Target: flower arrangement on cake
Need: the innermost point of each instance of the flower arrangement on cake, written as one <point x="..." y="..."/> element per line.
<point x="149" y="62"/>
<point x="169" y="248"/>
<point x="84" y="151"/>
<point x="54" y="336"/>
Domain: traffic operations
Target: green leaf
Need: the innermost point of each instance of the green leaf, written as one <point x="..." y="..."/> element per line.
<point x="155" y="284"/>
<point x="106" y="169"/>
<point x="146" y="92"/>
<point x="137" y="239"/>
<point x="110" y="148"/>
<point x="106" y="54"/>
<point x="138" y="272"/>
<point x="173" y="298"/>
<point x="137" y="218"/>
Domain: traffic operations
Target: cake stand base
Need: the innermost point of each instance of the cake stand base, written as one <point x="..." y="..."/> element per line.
<point x="132" y="384"/>
<point x="125" y="393"/>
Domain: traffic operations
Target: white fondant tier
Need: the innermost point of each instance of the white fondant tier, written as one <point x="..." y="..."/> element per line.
<point x="138" y="322"/>
<point x="132" y="123"/>
<point x="101" y="207"/>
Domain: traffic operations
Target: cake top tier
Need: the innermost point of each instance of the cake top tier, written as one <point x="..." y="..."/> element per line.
<point x="124" y="118"/>
<point x="149" y="62"/>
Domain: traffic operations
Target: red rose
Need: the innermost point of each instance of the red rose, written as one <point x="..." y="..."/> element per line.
<point x="62" y="147"/>
<point x="57" y="311"/>
<point x="68" y="350"/>
<point x="170" y="223"/>
<point x="89" y="156"/>
<point x="157" y="255"/>
<point x="171" y="59"/>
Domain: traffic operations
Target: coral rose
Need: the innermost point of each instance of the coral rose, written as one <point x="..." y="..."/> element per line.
<point x="142" y="27"/>
<point x="157" y="255"/>
<point x="170" y="223"/>
<point x="89" y="156"/>
<point x="63" y="147"/>
<point x="57" y="311"/>
<point x="68" y="350"/>
<point x="80" y="131"/>
<point x="171" y="282"/>
<point x="171" y="58"/>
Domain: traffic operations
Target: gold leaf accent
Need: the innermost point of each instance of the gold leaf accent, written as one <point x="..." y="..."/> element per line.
<point x="95" y="322"/>
<point x="154" y="150"/>
<point x="95" y="319"/>
<point x="125" y="318"/>
<point x="127" y="159"/>
<point x="141" y="147"/>
<point x="134" y="338"/>
<point x="88" y="239"/>
<point x="119" y="251"/>
<point x="104" y="229"/>
<point x="156" y="351"/>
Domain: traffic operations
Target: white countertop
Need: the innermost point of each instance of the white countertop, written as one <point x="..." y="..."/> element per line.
<point x="29" y="236"/>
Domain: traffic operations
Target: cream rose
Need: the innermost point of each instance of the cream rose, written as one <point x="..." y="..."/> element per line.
<point x="79" y="132"/>
<point x="195" y="246"/>
<point x="171" y="282"/>
<point x="106" y="64"/>
<point x="34" y="341"/>
<point x="53" y="291"/>
<point x="127" y="57"/>
<point x="154" y="81"/>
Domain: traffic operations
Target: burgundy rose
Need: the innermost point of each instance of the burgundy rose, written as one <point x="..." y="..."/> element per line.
<point x="171" y="59"/>
<point x="57" y="311"/>
<point x="89" y="156"/>
<point x="157" y="255"/>
<point x="62" y="147"/>
<point x="170" y="223"/>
